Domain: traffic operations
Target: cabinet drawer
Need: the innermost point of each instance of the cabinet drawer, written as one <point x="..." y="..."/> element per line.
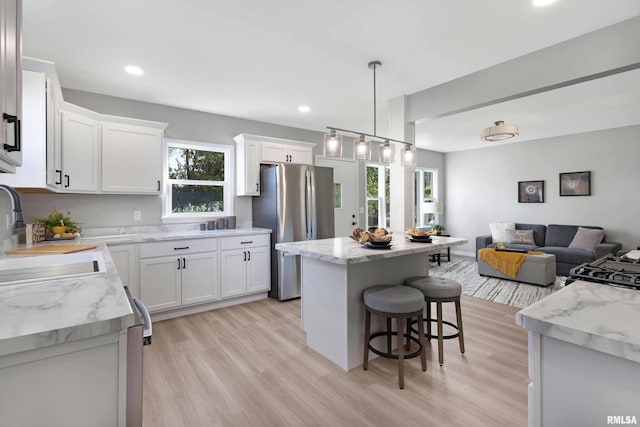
<point x="247" y="241"/>
<point x="177" y="247"/>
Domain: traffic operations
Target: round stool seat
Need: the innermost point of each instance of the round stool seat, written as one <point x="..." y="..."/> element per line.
<point x="393" y="299"/>
<point x="435" y="287"/>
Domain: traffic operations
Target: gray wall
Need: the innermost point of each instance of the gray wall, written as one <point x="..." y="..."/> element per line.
<point x="112" y="210"/>
<point x="481" y="185"/>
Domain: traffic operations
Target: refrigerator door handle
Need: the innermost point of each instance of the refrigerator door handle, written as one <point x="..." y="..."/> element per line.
<point x="309" y="213"/>
<point x="312" y="208"/>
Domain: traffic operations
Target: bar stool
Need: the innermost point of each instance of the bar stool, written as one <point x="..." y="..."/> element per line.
<point x="394" y="302"/>
<point x="439" y="290"/>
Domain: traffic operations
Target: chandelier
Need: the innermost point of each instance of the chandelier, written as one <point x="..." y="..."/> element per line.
<point x="362" y="146"/>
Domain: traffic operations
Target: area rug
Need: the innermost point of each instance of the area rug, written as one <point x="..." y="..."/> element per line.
<point x="516" y="294"/>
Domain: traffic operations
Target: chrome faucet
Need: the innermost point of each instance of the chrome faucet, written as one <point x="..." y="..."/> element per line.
<point x="18" y="222"/>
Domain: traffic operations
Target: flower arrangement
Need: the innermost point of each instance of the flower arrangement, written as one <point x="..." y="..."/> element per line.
<point x="57" y="225"/>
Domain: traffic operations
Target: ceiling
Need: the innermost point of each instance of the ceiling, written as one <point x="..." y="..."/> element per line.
<point x="260" y="60"/>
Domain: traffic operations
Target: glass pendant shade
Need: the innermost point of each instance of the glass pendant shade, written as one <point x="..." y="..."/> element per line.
<point x="408" y="158"/>
<point x="332" y="145"/>
<point x="361" y="149"/>
<point x="387" y="153"/>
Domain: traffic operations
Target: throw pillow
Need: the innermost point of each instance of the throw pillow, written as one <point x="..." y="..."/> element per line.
<point x="520" y="236"/>
<point x="587" y="239"/>
<point x="498" y="231"/>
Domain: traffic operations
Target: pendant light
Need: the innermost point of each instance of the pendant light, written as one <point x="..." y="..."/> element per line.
<point x="362" y="147"/>
<point x="332" y="144"/>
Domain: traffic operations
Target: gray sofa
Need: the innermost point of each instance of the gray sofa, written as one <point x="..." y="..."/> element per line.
<point x="555" y="239"/>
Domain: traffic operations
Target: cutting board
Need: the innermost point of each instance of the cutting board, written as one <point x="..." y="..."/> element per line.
<point x="51" y="249"/>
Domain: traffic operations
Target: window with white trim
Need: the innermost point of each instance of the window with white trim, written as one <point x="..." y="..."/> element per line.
<point x="378" y="195"/>
<point x="197" y="180"/>
<point x="426" y="192"/>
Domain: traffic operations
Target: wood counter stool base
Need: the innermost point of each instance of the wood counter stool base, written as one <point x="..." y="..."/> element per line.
<point x="439" y="290"/>
<point x="394" y="302"/>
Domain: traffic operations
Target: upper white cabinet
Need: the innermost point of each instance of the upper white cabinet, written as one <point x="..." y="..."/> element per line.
<point x="251" y="150"/>
<point x="131" y="159"/>
<point x="79" y="138"/>
<point x="10" y="84"/>
<point x="286" y="153"/>
<point x="247" y="167"/>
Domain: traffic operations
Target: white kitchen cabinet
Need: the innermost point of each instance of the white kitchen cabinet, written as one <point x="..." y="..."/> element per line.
<point x="131" y="159"/>
<point x="10" y="84"/>
<point x="245" y="265"/>
<point x="80" y="152"/>
<point x="179" y="272"/>
<point x="286" y="153"/>
<point x="247" y="167"/>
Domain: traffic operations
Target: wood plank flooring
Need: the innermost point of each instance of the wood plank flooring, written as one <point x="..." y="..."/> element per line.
<point x="248" y="365"/>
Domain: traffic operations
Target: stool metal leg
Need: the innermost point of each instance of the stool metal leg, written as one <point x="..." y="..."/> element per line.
<point x="440" y="339"/>
<point x="400" y="353"/>
<point x="367" y="331"/>
<point x="423" y="341"/>
<point x="429" y="321"/>
<point x="459" y="320"/>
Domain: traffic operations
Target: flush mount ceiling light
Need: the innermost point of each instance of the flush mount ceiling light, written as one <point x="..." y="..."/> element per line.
<point x="133" y="70"/>
<point x="304" y="109"/>
<point x="499" y="132"/>
<point x="362" y="147"/>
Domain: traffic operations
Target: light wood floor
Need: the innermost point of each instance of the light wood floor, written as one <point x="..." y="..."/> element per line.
<point x="248" y="365"/>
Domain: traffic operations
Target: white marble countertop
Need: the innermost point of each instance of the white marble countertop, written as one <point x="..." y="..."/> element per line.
<point x="592" y="315"/>
<point x="37" y="313"/>
<point x="170" y="235"/>
<point x="343" y="250"/>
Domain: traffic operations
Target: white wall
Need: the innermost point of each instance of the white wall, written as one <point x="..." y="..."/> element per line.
<point x="481" y="185"/>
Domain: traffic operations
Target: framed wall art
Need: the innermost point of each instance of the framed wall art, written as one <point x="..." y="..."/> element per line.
<point x="530" y="191"/>
<point x="575" y="183"/>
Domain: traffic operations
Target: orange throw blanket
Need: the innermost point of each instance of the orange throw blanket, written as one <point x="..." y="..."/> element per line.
<point x="507" y="262"/>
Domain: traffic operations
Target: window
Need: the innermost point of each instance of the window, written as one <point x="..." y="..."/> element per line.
<point x="426" y="191"/>
<point x="198" y="180"/>
<point x="378" y="196"/>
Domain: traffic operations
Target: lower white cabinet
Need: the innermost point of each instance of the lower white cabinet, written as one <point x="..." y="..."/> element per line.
<point x="246" y="267"/>
<point x="186" y="272"/>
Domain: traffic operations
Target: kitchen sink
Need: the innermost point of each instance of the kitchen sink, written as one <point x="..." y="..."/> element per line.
<point x="49" y="267"/>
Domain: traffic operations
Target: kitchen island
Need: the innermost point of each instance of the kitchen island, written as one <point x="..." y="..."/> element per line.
<point x="584" y="356"/>
<point x="334" y="274"/>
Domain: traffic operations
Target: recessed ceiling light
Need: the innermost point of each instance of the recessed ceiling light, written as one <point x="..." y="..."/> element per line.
<point x="132" y="69"/>
<point x="304" y="109"/>
<point x="540" y="3"/>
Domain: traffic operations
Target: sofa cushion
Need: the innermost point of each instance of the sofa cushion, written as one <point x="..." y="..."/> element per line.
<point x="569" y="256"/>
<point x="498" y="231"/>
<point x="539" y="232"/>
<point x="520" y="236"/>
<point x="587" y="239"/>
<point x="562" y="235"/>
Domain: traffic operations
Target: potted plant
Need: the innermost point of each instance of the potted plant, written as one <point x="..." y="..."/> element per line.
<point x="439" y="228"/>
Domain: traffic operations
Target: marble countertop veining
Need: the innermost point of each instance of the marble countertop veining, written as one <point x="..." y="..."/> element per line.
<point x="43" y="313"/>
<point x="343" y="250"/>
<point x="592" y="315"/>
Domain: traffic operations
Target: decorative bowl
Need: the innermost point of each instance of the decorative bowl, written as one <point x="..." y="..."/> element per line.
<point x="58" y="229"/>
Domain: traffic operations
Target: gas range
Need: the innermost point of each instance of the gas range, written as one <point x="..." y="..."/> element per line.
<point x="609" y="270"/>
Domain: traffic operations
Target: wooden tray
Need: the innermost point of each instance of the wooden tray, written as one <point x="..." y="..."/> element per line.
<point x="50" y="249"/>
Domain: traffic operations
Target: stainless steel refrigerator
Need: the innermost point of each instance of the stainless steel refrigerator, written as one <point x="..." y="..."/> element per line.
<point x="296" y="202"/>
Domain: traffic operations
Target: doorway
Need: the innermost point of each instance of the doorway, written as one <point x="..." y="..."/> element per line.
<point x="345" y="197"/>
